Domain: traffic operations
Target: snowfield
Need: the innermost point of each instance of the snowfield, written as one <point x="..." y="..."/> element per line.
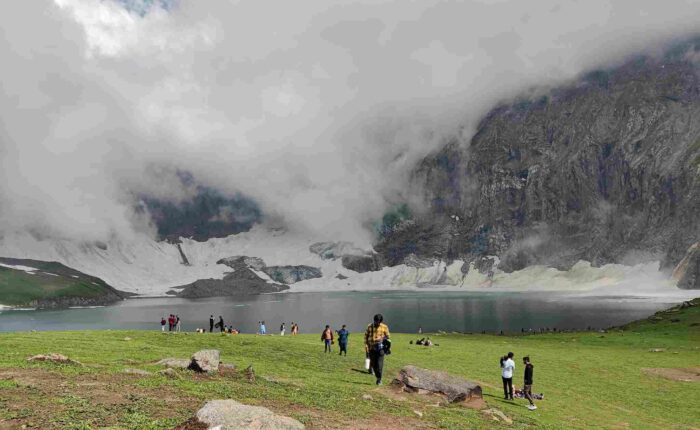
<point x="150" y="268"/>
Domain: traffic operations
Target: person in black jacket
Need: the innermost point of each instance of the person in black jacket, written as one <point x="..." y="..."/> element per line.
<point x="527" y="383"/>
<point x="211" y="323"/>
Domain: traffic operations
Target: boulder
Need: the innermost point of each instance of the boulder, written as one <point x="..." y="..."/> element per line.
<point x="415" y="379"/>
<point x="54" y="358"/>
<point x="362" y="263"/>
<point x="175" y="363"/>
<point x="231" y="415"/>
<point x="206" y="360"/>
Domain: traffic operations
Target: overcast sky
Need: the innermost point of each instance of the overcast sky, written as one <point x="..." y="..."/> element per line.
<point x="316" y="109"/>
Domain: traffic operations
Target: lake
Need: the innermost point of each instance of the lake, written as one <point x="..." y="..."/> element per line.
<point x="403" y="311"/>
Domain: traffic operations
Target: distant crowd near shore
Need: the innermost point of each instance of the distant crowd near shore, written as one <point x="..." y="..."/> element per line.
<point x="377" y="345"/>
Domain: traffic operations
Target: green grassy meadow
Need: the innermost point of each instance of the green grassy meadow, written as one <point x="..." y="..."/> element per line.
<point x="590" y="380"/>
<point x="51" y="280"/>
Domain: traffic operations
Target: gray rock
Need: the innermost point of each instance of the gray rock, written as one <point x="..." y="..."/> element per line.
<point x="363" y="263"/>
<point x="687" y="272"/>
<point x="206" y="360"/>
<point x="456" y="389"/>
<point x="175" y="363"/>
<point x="139" y="372"/>
<point x="241" y="282"/>
<point x="412" y="260"/>
<point x="292" y="274"/>
<point x="231" y="415"/>
<point x="242" y="261"/>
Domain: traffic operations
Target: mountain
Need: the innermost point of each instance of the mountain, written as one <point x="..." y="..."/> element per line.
<point x="605" y="170"/>
<point x="45" y="284"/>
<point x="591" y="185"/>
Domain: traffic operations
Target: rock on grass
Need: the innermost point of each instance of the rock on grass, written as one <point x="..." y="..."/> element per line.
<point x="231" y="415"/>
<point x="55" y="358"/>
<point x="206" y="360"/>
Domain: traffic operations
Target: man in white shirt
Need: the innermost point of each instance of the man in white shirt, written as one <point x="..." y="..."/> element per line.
<point x="507" y="368"/>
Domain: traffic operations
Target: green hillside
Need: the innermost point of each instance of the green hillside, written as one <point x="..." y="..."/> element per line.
<point x="50" y="285"/>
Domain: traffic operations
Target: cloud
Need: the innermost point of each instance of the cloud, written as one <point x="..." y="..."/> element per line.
<point x="318" y="110"/>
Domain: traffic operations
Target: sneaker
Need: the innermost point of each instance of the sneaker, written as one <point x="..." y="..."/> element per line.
<point x="532" y="407"/>
<point x="379" y="382"/>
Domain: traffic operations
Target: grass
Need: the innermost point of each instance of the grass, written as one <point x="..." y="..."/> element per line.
<point x="590" y="380"/>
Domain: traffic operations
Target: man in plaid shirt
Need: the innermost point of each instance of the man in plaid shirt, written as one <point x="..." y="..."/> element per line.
<point x="375" y="337"/>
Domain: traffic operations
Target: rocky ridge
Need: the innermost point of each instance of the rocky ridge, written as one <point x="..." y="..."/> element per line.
<point x="606" y="170"/>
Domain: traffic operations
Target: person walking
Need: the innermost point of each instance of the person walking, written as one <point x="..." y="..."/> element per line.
<point x="282" y="329"/>
<point x="170" y="322"/>
<point x="343" y="335"/>
<point x="162" y="324"/>
<point x="327" y="339"/>
<point x="376" y="345"/>
<point x="507" y="368"/>
<point x="177" y="323"/>
<point x="527" y="382"/>
<point x="211" y="323"/>
<point x="220" y="324"/>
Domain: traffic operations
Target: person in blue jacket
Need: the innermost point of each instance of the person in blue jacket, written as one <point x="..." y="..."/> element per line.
<point x="343" y="335"/>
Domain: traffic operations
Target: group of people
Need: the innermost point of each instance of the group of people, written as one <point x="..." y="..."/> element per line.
<point x="377" y="344"/>
<point x="328" y="339"/>
<point x="507" y="370"/>
<point x="173" y="323"/>
<point x="223" y="328"/>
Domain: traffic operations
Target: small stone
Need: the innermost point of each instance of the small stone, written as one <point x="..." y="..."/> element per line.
<point x="169" y="372"/>
<point x="419" y="413"/>
<point x="139" y="372"/>
<point x="174" y="363"/>
<point x="367" y="397"/>
<point x="250" y="373"/>
<point x="127" y="338"/>
<point x="657" y="350"/>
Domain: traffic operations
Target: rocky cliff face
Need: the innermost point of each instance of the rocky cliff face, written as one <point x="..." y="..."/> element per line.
<point x="605" y="170"/>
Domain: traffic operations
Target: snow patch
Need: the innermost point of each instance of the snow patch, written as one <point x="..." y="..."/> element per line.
<point x="151" y="268"/>
<point x="27" y="269"/>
